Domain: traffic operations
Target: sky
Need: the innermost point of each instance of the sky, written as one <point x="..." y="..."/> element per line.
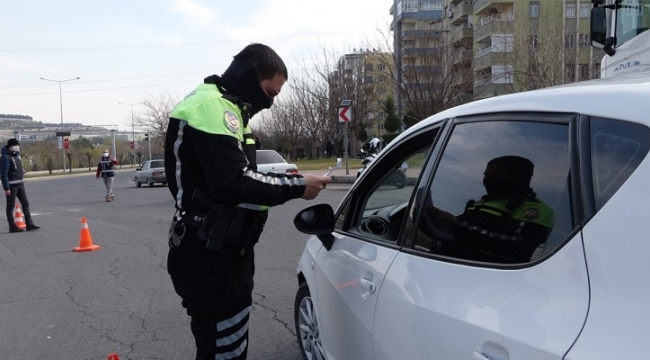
<point x="129" y="51"/>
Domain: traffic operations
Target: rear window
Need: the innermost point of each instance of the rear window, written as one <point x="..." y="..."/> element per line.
<point x="157" y="164"/>
<point x="269" y="157"/>
<point x="617" y="148"/>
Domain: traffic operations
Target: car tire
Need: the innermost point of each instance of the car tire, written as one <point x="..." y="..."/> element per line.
<point x="137" y="183"/>
<point x="306" y="324"/>
<point x="150" y="183"/>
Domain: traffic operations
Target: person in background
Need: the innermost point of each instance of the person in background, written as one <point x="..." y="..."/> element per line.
<point x="106" y="171"/>
<point x="221" y="200"/>
<point x="11" y="173"/>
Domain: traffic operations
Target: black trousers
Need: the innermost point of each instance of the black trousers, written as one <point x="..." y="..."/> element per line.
<point x="216" y="289"/>
<point x="17" y="191"/>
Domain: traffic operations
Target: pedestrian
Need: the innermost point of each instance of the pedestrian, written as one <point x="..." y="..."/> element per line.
<point x="328" y="148"/>
<point x="106" y="171"/>
<point x="221" y="200"/>
<point x="375" y="145"/>
<point x="11" y="173"/>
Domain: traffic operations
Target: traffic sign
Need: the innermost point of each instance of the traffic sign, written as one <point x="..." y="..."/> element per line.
<point x="66" y="143"/>
<point x="345" y="115"/>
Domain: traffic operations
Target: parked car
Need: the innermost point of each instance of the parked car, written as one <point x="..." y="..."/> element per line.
<point x="380" y="278"/>
<point x="151" y="172"/>
<point x="269" y="161"/>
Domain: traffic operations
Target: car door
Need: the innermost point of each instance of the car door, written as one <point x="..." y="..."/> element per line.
<point x="141" y="175"/>
<point x="349" y="274"/>
<point x="439" y="303"/>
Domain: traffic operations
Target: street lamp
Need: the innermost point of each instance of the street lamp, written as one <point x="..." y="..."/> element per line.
<point x="61" y="102"/>
<point x="132" y="128"/>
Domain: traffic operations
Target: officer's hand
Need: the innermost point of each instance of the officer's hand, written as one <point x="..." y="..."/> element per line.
<point x="315" y="183"/>
<point x="7" y="192"/>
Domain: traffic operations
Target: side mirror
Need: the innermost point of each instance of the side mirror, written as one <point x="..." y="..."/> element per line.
<point x="317" y="220"/>
<point x="598" y="27"/>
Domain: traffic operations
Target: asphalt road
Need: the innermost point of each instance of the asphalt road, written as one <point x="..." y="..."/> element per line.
<point x="60" y="304"/>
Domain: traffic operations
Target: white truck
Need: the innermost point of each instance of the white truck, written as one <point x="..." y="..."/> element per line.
<point x="619" y="28"/>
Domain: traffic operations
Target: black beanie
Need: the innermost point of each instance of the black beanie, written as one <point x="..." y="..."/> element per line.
<point x="12" y="142"/>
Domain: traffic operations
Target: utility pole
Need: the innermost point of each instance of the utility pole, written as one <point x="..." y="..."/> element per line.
<point x="132" y="130"/>
<point x="61" y="103"/>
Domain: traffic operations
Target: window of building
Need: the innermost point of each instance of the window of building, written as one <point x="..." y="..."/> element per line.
<point x="534" y="10"/>
<point x="533" y="40"/>
<point x="595" y="71"/>
<point x="469" y="212"/>
<point x="570" y="10"/>
<point x="382" y="79"/>
<point x="570" y="41"/>
<point x="584" y="71"/>
<point x="382" y="67"/>
<point x="368" y="67"/>
<point x="585" y="10"/>
<point x="583" y="40"/>
<point x="430" y="5"/>
<point x="569" y="72"/>
<point x="368" y="79"/>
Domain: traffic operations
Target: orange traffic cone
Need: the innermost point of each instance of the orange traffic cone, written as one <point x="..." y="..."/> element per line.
<point x="113" y="356"/>
<point x="85" y="240"/>
<point x="19" y="220"/>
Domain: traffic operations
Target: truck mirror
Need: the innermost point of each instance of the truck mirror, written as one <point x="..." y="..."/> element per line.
<point x="598" y="27"/>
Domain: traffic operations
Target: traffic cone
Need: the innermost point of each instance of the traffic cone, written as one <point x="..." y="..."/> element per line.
<point x="19" y="220"/>
<point x="113" y="356"/>
<point x="85" y="240"/>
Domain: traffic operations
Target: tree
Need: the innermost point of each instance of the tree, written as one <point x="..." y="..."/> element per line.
<point x="155" y="118"/>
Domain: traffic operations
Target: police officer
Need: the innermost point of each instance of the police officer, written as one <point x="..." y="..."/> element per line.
<point x="507" y="224"/>
<point x="221" y="199"/>
<point x="107" y="172"/>
<point x="11" y="173"/>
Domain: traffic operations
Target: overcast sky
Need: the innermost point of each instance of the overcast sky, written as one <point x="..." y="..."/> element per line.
<point x="132" y="50"/>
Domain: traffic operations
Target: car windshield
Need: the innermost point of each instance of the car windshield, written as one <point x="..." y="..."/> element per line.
<point x="157" y="164"/>
<point x="269" y="157"/>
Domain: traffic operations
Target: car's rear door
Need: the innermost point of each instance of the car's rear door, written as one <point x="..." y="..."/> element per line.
<point x="436" y="303"/>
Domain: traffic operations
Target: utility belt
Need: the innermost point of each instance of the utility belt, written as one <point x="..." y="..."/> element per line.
<point x="222" y="228"/>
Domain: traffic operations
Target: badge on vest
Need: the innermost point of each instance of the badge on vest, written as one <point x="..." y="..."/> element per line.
<point x="231" y="120"/>
<point x="531" y="213"/>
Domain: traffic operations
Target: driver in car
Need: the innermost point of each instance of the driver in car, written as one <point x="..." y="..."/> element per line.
<point x="506" y="225"/>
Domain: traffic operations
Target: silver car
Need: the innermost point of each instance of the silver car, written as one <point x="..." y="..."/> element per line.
<point x="151" y="172"/>
<point x="269" y="161"/>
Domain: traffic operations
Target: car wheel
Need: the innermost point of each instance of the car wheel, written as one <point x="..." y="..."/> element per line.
<point x="137" y="183"/>
<point x="306" y="324"/>
<point x="150" y="183"/>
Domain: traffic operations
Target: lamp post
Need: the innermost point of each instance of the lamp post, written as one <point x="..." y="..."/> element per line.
<point x="132" y="129"/>
<point x="61" y="103"/>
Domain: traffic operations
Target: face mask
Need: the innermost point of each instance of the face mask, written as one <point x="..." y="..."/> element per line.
<point x="14" y="148"/>
<point x="105" y="154"/>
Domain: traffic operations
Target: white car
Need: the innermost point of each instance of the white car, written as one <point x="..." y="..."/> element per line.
<point x="269" y="161"/>
<point x="381" y="278"/>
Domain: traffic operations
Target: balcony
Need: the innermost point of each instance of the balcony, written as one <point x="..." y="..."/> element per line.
<point x="462" y="33"/>
<point x="464" y="56"/>
<point x="480" y="5"/>
<point x="416" y="52"/>
<point x="460" y="12"/>
<point x="493" y="24"/>
<point x="420" y="34"/>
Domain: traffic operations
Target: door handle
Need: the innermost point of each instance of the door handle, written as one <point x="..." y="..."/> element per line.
<point x="479" y="356"/>
<point x="367" y="285"/>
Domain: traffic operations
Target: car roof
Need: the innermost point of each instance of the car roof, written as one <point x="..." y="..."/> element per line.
<point x="623" y="97"/>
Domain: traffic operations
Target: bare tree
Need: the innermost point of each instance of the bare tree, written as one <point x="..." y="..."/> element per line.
<point x="541" y="52"/>
<point x="155" y="118"/>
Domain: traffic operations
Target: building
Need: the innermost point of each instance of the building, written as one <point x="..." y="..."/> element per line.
<point x="493" y="47"/>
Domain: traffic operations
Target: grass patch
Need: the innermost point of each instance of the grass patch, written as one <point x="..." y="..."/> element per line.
<point x="324" y="164"/>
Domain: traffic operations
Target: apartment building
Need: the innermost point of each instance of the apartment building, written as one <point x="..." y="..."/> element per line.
<point x="496" y="47"/>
